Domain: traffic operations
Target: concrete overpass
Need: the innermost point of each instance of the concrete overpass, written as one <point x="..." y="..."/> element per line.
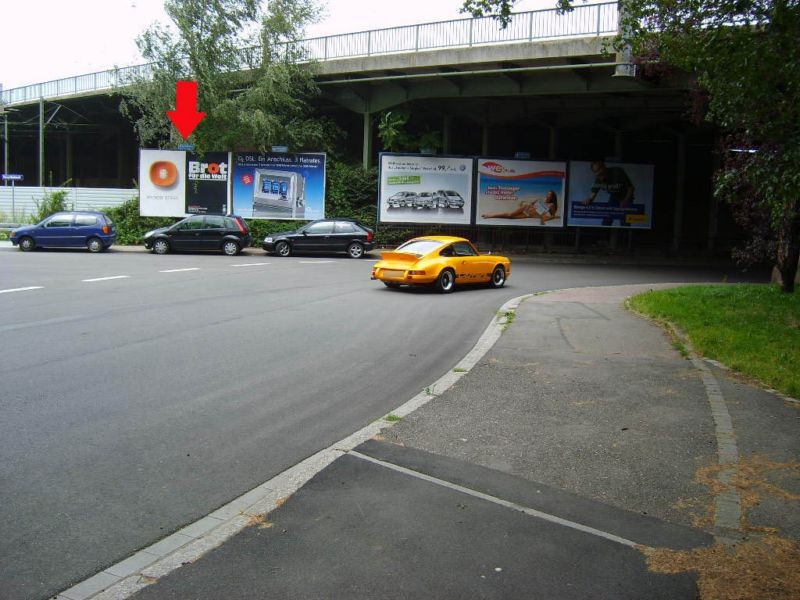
<point x="544" y="86"/>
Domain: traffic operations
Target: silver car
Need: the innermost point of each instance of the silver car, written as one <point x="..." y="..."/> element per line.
<point x="449" y="199"/>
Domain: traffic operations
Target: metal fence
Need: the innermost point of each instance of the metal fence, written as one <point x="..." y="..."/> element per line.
<point x="19" y="204"/>
<point x="584" y="21"/>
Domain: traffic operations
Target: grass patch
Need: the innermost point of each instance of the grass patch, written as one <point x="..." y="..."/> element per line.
<point x="459" y="370"/>
<point x="754" y="329"/>
<point x="392" y="418"/>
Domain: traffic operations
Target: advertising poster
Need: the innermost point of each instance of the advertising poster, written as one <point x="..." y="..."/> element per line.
<point x="162" y="183"/>
<point x="425" y="189"/>
<point x="207" y="183"/>
<point x="521" y="192"/>
<point x="610" y="195"/>
<point x="279" y="185"/>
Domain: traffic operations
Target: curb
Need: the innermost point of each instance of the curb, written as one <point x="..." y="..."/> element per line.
<point x="187" y="545"/>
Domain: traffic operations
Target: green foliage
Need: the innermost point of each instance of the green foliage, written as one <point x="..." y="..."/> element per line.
<point x="252" y="85"/>
<point x="51" y="202"/>
<point x="754" y="329"/>
<point x="130" y="226"/>
<point x="351" y="192"/>
<point x="394" y="136"/>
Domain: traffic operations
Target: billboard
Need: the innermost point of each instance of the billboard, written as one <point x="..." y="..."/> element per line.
<point x="207" y="183"/>
<point x="521" y="192"/>
<point x="175" y="183"/>
<point x="279" y="185"/>
<point x="162" y="183"/>
<point x="425" y="189"/>
<point x="610" y="194"/>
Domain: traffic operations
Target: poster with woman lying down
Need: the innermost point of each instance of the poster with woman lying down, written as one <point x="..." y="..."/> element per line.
<point x="522" y="193"/>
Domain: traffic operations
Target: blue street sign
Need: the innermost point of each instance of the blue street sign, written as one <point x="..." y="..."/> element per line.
<point x="12" y="176"/>
<point x="186" y="147"/>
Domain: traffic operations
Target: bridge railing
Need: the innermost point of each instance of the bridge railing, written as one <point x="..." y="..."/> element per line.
<point x="588" y="20"/>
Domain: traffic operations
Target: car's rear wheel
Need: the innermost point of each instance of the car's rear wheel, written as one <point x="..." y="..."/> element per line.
<point x="26" y="243"/>
<point x="230" y="248"/>
<point x="283" y="249"/>
<point x="355" y="250"/>
<point x="161" y="246"/>
<point x="498" y="279"/>
<point x="446" y="281"/>
<point x="94" y="244"/>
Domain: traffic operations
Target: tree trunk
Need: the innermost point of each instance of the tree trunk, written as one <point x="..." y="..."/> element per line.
<point x="788" y="253"/>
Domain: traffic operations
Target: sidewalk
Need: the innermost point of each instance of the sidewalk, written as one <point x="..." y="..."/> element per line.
<point x="575" y="447"/>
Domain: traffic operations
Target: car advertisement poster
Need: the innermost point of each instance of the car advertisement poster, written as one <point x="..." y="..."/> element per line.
<point x="610" y="195"/>
<point x="279" y="185"/>
<point x="521" y="192"/>
<point x="207" y="183"/>
<point x="425" y="189"/>
<point x="162" y="183"/>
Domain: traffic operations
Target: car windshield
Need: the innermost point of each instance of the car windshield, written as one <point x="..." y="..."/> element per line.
<point x="420" y="247"/>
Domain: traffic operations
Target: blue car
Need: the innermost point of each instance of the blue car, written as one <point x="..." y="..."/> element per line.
<point x="75" y="229"/>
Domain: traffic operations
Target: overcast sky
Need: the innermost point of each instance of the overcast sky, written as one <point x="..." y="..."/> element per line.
<point x="41" y="40"/>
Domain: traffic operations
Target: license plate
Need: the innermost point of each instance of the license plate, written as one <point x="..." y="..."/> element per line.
<point x="392" y="273"/>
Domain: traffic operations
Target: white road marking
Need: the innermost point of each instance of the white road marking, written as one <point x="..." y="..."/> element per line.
<point x="106" y="278"/>
<point x="121" y="581"/>
<point x="25" y="289"/>
<point x="180" y="270"/>
<point x="532" y="512"/>
<point x="251" y="264"/>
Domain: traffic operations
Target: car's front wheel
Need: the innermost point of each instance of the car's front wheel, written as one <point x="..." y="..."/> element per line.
<point x="355" y="250"/>
<point x="94" y="245"/>
<point x="446" y="281"/>
<point x="26" y="244"/>
<point x="283" y="249"/>
<point x="230" y="248"/>
<point x="498" y="279"/>
<point x="161" y="246"/>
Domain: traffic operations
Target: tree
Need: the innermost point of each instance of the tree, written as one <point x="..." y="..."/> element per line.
<point x="745" y="57"/>
<point x="252" y="82"/>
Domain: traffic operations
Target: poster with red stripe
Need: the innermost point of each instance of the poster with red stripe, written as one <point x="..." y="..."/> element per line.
<point x="522" y="193"/>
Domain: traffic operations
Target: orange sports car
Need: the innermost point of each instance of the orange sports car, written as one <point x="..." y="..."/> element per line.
<point x="441" y="261"/>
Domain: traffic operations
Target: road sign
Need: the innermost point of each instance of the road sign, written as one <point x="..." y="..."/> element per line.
<point x="12" y="177"/>
<point x="186" y="147"/>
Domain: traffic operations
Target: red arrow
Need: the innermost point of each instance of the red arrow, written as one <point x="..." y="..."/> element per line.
<point x="185" y="116"/>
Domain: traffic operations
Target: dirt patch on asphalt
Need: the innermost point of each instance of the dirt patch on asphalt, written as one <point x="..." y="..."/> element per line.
<point x="760" y="569"/>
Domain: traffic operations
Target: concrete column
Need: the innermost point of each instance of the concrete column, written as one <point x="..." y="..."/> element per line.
<point x="41" y="142"/>
<point x="68" y="157"/>
<point x="366" y="145"/>
<point x="552" y="146"/>
<point x="447" y="126"/>
<point x="680" y="193"/>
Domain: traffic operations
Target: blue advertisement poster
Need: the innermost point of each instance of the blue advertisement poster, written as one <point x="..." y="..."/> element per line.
<point x="608" y="194"/>
<point x="425" y="189"/>
<point x="522" y="193"/>
<point x="279" y="185"/>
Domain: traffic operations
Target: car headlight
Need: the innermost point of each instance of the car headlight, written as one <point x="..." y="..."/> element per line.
<point x="267" y="239"/>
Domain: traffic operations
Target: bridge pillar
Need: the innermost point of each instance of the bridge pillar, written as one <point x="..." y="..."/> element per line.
<point x="447" y="126"/>
<point x="680" y="193"/>
<point x="366" y="156"/>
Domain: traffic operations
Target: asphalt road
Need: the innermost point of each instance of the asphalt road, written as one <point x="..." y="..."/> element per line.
<point x="141" y="392"/>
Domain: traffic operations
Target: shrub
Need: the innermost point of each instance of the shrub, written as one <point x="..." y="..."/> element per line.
<point x="52" y="202"/>
<point x="131" y="227"/>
